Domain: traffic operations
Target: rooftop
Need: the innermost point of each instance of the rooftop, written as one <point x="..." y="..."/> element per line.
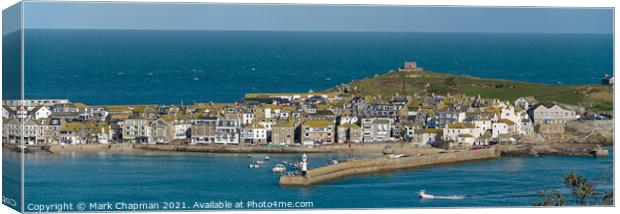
<point x="506" y="121"/>
<point x="349" y="125"/>
<point x="317" y="123"/>
<point x="461" y="126"/>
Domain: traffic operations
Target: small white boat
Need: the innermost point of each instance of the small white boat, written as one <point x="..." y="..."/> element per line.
<point x="249" y="156"/>
<point x="279" y="168"/>
<point x="423" y="195"/>
<point x="259" y="162"/>
<point x="254" y="166"/>
<point x="393" y="156"/>
<point x="267" y="158"/>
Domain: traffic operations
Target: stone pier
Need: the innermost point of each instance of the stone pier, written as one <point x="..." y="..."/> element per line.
<point x="384" y="164"/>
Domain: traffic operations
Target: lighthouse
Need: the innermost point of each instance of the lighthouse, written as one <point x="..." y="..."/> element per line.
<point x="304" y="164"/>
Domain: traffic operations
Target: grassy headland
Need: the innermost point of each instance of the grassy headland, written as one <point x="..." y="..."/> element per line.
<point x="599" y="97"/>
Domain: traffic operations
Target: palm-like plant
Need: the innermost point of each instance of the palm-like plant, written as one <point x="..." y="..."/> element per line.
<point x="580" y="188"/>
<point x="550" y="198"/>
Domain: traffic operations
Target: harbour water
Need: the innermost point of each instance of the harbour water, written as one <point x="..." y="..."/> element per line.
<point x="171" y="67"/>
<point x="137" y="66"/>
<point x="191" y="177"/>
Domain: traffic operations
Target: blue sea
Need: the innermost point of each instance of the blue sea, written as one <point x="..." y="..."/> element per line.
<point x="173" y="67"/>
<point x="199" y="177"/>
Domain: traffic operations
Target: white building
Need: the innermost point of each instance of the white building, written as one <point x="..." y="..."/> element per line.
<point x="40" y="112"/>
<point x="104" y="135"/>
<point x="483" y="125"/>
<point x="136" y="130"/>
<point x="7" y="112"/>
<point x="181" y="129"/>
<point x="348" y="119"/>
<point x="247" y="118"/>
<point x="499" y="128"/>
<point x="376" y="129"/>
<point x="227" y="131"/>
<point x="267" y="113"/>
<point x="509" y="113"/>
<point x="460" y="131"/>
<point x="254" y="134"/>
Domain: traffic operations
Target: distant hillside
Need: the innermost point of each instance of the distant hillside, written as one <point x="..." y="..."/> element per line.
<point x="600" y="97"/>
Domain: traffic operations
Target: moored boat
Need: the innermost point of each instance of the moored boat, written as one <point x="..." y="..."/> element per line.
<point x="279" y="168"/>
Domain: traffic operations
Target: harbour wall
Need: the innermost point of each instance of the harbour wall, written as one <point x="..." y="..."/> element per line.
<point x="72" y="148"/>
<point x="384" y="164"/>
<point x="90" y="148"/>
<point x="215" y="148"/>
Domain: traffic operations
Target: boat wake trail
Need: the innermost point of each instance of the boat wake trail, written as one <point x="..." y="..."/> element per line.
<point x="423" y="195"/>
<point x="451" y="197"/>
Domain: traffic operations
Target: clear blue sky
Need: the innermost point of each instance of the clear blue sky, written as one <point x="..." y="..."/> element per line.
<point x="316" y="18"/>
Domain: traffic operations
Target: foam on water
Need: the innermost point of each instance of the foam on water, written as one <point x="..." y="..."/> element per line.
<point x="451" y="197"/>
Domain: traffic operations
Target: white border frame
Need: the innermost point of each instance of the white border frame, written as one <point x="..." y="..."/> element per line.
<point x="470" y="3"/>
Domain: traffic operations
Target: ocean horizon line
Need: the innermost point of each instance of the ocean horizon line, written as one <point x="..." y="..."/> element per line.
<point x="193" y="102"/>
<point x="319" y="31"/>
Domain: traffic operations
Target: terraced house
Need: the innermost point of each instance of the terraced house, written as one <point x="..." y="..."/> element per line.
<point x="161" y="132"/>
<point x="254" y="134"/>
<point x="317" y="132"/>
<point x="376" y="129"/>
<point x="283" y="132"/>
<point x="227" y="131"/>
<point x="551" y="114"/>
<point x="349" y="132"/>
<point x="464" y="133"/>
<point x="21" y="131"/>
<point x="203" y="133"/>
<point x="136" y="130"/>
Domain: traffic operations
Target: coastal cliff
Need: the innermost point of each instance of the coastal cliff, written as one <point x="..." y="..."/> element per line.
<point x="563" y="149"/>
<point x="590" y="132"/>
